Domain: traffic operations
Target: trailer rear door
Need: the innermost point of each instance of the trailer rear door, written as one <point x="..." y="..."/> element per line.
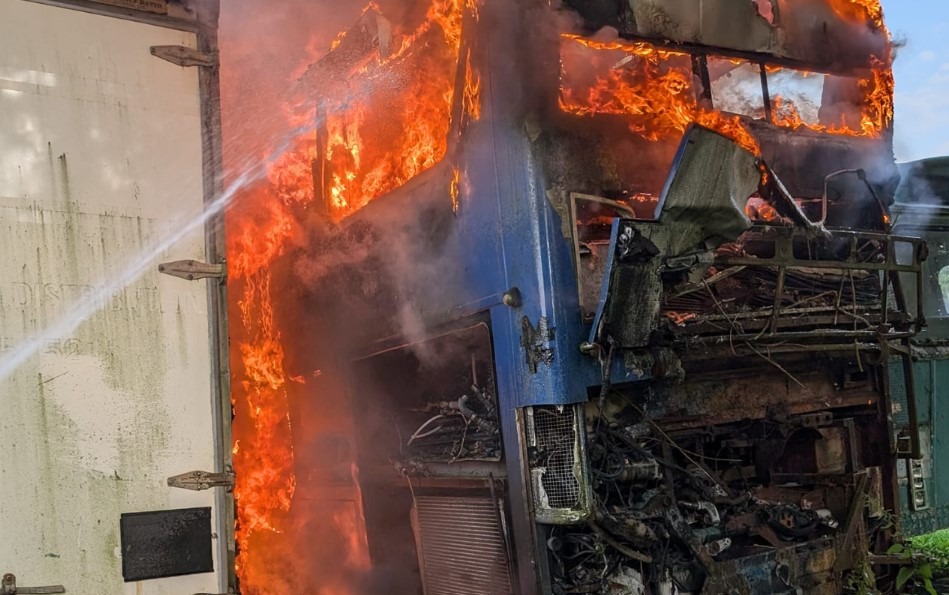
<point x="100" y="159"/>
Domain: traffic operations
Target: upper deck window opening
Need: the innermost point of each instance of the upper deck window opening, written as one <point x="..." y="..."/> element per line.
<point x="652" y="87"/>
<point x="736" y="87"/>
<point x="786" y="97"/>
<point x="796" y="96"/>
<point x="662" y="90"/>
<point x="388" y="119"/>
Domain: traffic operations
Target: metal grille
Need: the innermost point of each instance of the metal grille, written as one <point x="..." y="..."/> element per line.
<point x="898" y="396"/>
<point x="555" y="433"/>
<point x="562" y="493"/>
<point x="461" y="546"/>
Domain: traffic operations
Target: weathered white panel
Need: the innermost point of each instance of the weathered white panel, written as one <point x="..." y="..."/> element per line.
<point x="100" y="156"/>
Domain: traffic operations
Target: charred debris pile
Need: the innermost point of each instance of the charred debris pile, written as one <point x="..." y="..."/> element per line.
<point x="732" y="244"/>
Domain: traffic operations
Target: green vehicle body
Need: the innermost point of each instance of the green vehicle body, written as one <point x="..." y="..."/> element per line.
<point x="922" y="209"/>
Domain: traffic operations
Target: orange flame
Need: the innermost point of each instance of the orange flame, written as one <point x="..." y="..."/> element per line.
<point x="267" y="485"/>
<point x="659" y="102"/>
<point x="472" y="97"/>
<point x="757" y="209"/>
<point x="877" y="89"/>
<point x="348" y="522"/>
<point x="455" y="190"/>
<point x="263" y="449"/>
<point x="656" y="98"/>
<point x="263" y="454"/>
<point x="410" y="121"/>
<point x="860" y="11"/>
<point x="876" y="114"/>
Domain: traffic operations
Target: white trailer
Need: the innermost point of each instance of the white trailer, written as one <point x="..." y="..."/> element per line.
<point x="109" y="141"/>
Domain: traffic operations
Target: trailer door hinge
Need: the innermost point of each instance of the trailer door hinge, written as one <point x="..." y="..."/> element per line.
<point x="183" y="56"/>
<point x="192" y="269"/>
<point x="8" y="587"/>
<point x="203" y="480"/>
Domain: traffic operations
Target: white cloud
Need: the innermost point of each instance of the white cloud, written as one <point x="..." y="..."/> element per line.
<point x="927" y="55"/>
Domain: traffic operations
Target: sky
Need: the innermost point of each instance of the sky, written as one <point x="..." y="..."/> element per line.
<point x="922" y="77"/>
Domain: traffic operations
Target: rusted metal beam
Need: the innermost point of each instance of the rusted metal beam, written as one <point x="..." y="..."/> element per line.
<point x="753" y="57"/>
<point x="731" y="261"/>
<point x="854" y="519"/>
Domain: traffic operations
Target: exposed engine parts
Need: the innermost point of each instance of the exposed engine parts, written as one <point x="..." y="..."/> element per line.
<point x="750" y="457"/>
<point x="434" y="402"/>
<point x="672" y="508"/>
<point x="466" y="428"/>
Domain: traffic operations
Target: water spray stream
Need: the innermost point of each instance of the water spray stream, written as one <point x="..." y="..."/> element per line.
<point x="91" y="303"/>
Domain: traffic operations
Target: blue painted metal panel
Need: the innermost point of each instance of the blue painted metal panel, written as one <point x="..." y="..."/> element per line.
<point x="513" y="237"/>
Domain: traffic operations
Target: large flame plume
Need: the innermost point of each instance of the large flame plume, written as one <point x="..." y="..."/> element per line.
<point x="367" y="151"/>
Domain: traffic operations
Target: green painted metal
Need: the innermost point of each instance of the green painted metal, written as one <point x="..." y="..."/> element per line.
<point x="922" y="209"/>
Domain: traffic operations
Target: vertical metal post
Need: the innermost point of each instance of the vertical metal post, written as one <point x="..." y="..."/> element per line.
<point x="766" y="94"/>
<point x="320" y="176"/>
<point x="215" y="247"/>
<point x="778" y="296"/>
<point x="700" y="69"/>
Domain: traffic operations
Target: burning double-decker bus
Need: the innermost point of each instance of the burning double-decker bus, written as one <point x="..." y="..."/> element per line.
<point x="597" y="298"/>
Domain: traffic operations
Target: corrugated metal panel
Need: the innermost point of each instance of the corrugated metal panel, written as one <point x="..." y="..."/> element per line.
<point x="461" y="546"/>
